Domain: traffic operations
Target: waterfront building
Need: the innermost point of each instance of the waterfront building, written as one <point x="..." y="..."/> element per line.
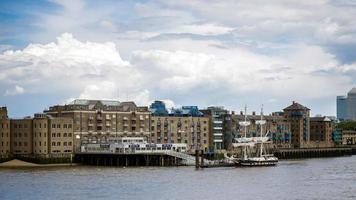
<point x="21" y="136"/>
<point x="217" y="114"/>
<point x="321" y="131"/>
<point x="277" y="127"/>
<point x="4" y="133"/>
<point x="96" y="121"/>
<point x="348" y="137"/>
<point x="42" y="135"/>
<point x="299" y="118"/>
<point x="346" y="106"/>
<point x="185" y="125"/>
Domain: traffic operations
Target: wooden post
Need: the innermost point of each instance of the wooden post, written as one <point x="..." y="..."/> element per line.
<point x="202" y="158"/>
<point x="197" y="158"/>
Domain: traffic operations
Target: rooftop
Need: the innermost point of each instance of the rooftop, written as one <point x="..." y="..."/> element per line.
<point x="296" y="106"/>
<point x="93" y="102"/>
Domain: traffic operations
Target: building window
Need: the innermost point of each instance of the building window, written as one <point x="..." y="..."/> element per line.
<point x="69" y="125"/>
<point x="69" y="134"/>
<point x="53" y="144"/>
<point x="58" y="125"/>
<point x="58" y="143"/>
<point x="64" y="134"/>
<point x="58" y="134"/>
<point x="64" y="143"/>
<point x="53" y="126"/>
<point x="53" y="135"/>
<point x="65" y="126"/>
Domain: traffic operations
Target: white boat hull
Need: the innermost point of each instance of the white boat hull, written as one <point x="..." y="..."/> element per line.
<point x="256" y="162"/>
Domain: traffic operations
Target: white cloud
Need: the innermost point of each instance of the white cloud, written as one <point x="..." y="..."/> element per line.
<point x="17" y="90"/>
<point x="69" y="67"/>
<point x="203" y="29"/>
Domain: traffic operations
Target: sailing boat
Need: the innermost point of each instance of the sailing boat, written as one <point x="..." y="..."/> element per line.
<point x="247" y="143"/>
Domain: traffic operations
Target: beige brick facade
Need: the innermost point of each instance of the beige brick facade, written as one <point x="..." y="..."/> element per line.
<point x="21" y="136"/>
<point x="4" y="132"/>
<point x="96" y="121"/>
<point x="194" y="131"/>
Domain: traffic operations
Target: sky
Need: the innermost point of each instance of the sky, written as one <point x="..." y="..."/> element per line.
<point x="205" y="53"/>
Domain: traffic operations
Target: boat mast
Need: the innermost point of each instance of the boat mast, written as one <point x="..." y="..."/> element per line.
<point x="245" y="121"/>
<point x="245" y="148"/>
<point x="261" y="149"/>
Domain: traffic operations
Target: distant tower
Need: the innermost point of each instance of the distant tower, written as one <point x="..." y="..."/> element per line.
<point x="346" y="106"/>
<point x="341" y="107"/>
<point x="351" y="104"/>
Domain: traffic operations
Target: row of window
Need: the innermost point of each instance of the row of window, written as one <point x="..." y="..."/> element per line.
<point x="20" y="126"/>
<point x="2" y="134"/>
<point x="172" y="121"/>
<point x="20" y="144"/>
<point x="59" y="125"/>
<point x="40" y="134"/>
<point x="6" y="125"/>
<point x="20" y="134"/>
<point x="59" y="144"/>
<point x="172" y="128"/>
<point x="40" y="125"/>
<point x="40" y="143"/>
<point x="3" y="144"/>
<point x="59" y="134"/>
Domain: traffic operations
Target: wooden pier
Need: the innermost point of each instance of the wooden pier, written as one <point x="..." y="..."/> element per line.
<point x="313" y="152"/>
<point x="125" y="160"/>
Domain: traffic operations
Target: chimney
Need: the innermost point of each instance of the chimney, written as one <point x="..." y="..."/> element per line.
<point x="241" y="113"/>
<point x="254" y="113"/>
<point x="293" y="102"/>
<point x="233" y="112"/>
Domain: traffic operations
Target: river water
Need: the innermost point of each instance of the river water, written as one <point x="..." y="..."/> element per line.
<point x="327" y="178"/>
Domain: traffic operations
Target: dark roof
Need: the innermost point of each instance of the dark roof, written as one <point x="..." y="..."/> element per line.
<point x="296" y="106"/>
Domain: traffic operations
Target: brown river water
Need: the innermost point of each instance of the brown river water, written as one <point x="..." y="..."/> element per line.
<point x="326" y="178"/>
